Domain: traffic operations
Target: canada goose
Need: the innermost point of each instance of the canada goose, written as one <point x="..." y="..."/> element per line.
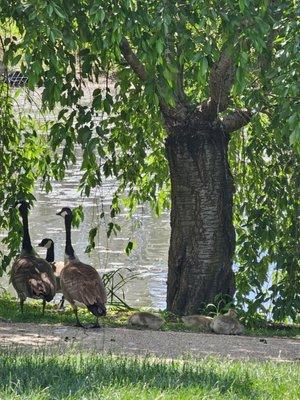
<point x="57" y="266"/>
<point x="227" y="324"/>
<point x="31" y="276"/>
<point x="80" y="282"/>
<point x="146" y="320"/>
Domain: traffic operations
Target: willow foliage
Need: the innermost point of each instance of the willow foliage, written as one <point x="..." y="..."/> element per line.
<point x="61" y="45"/>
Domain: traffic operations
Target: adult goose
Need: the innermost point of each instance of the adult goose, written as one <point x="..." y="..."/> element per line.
<point x="57" y="266"/>
<point x="80" y="282"/>
<point x="31" y="276"/>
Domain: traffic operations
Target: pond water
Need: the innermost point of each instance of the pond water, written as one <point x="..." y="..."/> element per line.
<point x="151" y="234"/>
<point x="148" y="260"/>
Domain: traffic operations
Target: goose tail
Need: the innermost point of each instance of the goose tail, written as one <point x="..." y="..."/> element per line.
<point x="98" y="309"/>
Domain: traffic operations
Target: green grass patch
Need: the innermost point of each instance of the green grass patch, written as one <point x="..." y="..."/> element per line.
<point x="116" y="317"/>
<point x="37" y="376"/>
<point x="10" y="311"/>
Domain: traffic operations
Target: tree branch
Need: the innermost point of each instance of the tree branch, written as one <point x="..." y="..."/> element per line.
<point x="133" y="60"/>
<point x="221" y="81"/>
<point x="236" y="120"/>
<point x="177" y="112"/>
<point x="220" y="84"/>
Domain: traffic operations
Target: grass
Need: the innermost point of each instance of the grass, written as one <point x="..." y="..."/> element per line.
<point x="9" y="310"/>
<point x="33" y="375"/>
<point x="37" y="376"/>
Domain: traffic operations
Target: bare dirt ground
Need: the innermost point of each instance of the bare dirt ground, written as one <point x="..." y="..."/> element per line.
<point x="144" y="342"/>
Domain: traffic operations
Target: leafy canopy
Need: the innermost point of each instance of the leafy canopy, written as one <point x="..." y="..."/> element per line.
<point x="140" y="55"/>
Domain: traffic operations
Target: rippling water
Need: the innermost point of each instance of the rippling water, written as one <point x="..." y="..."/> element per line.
<point x="151" y="234"/>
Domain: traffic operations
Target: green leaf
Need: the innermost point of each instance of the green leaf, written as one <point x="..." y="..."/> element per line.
<point x="59" y="12"/>
<point x="78" y="216"/>
<point x="16" y="60"/>
<point x="129" y="247"/>
<point x="159" y="44"/>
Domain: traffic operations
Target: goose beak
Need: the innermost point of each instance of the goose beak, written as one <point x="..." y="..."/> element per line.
<point x="58" y="213"/>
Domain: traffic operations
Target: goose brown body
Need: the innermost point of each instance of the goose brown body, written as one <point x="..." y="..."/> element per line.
<point x="31" y="276"/>
<point x="81" y="283"/>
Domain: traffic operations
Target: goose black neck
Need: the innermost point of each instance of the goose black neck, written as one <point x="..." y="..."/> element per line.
<point x="50" y="253"/>
<point x="69" y="251"/>
<point x="26" y="243"/>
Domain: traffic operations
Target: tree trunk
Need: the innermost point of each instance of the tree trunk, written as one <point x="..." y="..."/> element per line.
<point x="202" y="233"/>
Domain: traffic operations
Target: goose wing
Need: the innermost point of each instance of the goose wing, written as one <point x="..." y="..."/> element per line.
<point x="33" y="277"/>
<point x="82" y="283"/>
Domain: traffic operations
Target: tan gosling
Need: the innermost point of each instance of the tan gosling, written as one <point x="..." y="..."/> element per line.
<point x="146" y="320"/>
<point x="201" y="321"/>
<point x="227" y="324"/>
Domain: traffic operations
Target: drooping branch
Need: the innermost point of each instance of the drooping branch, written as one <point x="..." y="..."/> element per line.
<point x="133" y="60"/>
<point x="236" y="120"/>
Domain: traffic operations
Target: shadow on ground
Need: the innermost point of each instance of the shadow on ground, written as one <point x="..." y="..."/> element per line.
<point x="71" y="375"/>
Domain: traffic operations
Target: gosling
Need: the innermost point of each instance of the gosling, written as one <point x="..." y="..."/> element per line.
<point x="227" y="324"/>
<point x="146" y="320"/>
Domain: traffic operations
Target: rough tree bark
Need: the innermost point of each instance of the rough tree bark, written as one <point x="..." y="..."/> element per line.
<point x="202" y="234"/>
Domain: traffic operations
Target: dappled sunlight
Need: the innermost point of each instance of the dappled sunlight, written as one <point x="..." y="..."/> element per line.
<point x="22" y="337"/>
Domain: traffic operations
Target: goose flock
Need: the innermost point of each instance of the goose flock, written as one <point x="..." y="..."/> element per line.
<point x="36" y="278"/>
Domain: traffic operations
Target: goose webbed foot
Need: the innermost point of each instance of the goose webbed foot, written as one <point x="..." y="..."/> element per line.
<point x="79" y="325"/>
<point x="96" y="325"/>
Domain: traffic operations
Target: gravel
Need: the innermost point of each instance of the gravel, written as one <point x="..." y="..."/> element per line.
<point x="172" y="345"/>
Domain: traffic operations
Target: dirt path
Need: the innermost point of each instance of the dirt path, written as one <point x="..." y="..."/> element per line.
<point x="142" y="342"/>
